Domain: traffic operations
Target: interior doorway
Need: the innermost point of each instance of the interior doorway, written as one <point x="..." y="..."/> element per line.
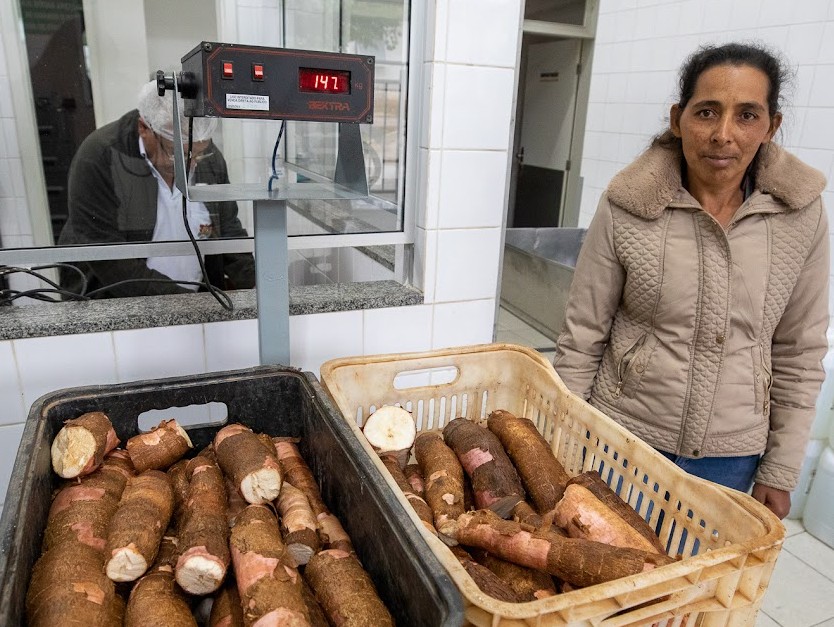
<point x="547" y="89"/>
<point x="545" y="186"/>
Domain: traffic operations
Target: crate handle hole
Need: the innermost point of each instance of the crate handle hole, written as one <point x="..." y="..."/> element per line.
<point x="204" y="415"/>
<point x="442" y="375"/>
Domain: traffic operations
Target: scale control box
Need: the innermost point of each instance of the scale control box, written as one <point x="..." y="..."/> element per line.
<point x="255" y="82"/>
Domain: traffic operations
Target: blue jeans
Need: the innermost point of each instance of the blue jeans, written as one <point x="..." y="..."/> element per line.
<point x="733" y="472"/>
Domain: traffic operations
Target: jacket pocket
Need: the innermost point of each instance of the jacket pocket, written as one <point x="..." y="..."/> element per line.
<point x="629" y="368"/>
<point x="763" y="380"/>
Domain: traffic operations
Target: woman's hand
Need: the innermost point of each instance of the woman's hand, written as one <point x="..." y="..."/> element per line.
<point x="777" y="501"/>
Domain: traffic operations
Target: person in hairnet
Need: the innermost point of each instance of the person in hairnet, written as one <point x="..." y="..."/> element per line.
<point x="121" y="189"/>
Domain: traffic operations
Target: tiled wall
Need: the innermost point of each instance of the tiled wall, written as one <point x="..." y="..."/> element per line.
<point x="640" y="46"/>
<point x="15" y="228"/>
<point x="458" y="200"/>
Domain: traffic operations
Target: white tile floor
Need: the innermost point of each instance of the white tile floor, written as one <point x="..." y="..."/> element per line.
<point x="801" y="590"/>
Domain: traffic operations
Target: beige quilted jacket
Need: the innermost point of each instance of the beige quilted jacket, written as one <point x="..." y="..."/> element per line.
<point x="704" y="341"/>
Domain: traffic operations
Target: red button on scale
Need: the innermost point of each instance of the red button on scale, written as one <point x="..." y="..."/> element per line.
<point x="257" y="72"/>
<point x="228" y="70"/>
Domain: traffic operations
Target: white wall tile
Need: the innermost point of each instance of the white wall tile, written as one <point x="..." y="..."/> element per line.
<point x="11" y="392"/>
<point x="433" y="106"/>
<point x="9" y="441"/>
<point x="428" y="192"/>
<point x="467" y="262"/>
<point x="804" y="41"/>
<point x="472" y="189"/>
<point x="484" y="32"/>
<point x="425" y="262"/>
<point x="397" y="329"/>
<point x="160" y="352"/>
<point x="231" y="345"/>
<point x="437" y="49"/>
<point x="822" y="92"/>
<point x="47" y="364"/>
<point x="818" y="131"/>
<point x="6" y="107"/>
<point x="463" y="323"/>
<point x="16" y="174"/>
<point x="315" y="338"/>
<point x="10" y="138"/>
<point x="478" y="108"/>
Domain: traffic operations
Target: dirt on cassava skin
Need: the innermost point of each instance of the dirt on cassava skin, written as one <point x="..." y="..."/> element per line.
<point x="160" y="447"/>
<point x="579" y="562"/>
<point x="487" y="581"/>
<point x="443" y="479"/>
<point x="495" y="482"/>
<point x="527" y="583"/>
<point x="267" y="580"/>
<point x="591" y="481"/>
<point x="345" y="590"/>
<point x="542" y="474"/>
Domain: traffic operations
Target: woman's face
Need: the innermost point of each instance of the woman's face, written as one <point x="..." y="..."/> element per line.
<point x="724" y="124"/>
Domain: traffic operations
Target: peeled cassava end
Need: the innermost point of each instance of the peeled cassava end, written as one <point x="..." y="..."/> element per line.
<point x="391" y="430"/>
<point x="81" y="444"/>
<point x="261" y="486"/>
<point x="126" y="564"/>
<point x="200" y="574"/>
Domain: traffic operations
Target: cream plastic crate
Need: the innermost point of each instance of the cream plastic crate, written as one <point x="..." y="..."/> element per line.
<point x="729" y="542"/>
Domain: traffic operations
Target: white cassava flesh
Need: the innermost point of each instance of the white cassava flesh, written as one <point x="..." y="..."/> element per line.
<point x="200" y="575"/>
<point x="261" y="486"/>
<point x="183" y="434"/>
<point x="72" y="449"/>
<point x="391" y="430"/>
<point x="127" y="564"/>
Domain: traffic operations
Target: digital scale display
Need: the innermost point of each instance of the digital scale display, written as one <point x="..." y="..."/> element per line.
<point x="318" y="81"/>
<point x="258" y="82"/>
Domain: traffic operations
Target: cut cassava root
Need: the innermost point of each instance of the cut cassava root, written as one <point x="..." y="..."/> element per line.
<point x="138" y="525"/>
<point x="253" y="468"/>
<point x="495" y="482"/>
<point x="542" y="474"/>
<point x="204" y="531"/>
<point x="390" y="430"/>
<point x="443" y="480"/>
<point x="331" y="533"/>
<point x="156" y="600"/>
<point x="594" y="483"/>
<point x="298" y="524"/>
<point x="81" y="444"/>
<point x="159" y="448"/>
<point x="345" y="590"/>
<point x="268" y="582"/>
<point x="578" y="562"/>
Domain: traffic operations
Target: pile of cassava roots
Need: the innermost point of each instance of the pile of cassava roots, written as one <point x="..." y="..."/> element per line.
<point x="529" y="530"/>
<point x="154" y="536"/>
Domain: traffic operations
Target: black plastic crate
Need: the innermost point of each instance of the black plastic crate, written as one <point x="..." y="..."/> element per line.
<point x="275" y="400"/>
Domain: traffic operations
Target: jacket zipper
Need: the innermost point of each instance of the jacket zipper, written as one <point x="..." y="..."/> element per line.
<point x="625" y="363"/>
<point x="768" y="380"/>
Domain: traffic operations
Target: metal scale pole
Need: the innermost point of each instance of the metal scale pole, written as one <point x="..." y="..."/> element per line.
<point x="270" y="226"/>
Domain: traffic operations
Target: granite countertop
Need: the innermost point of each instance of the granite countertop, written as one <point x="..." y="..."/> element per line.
<point x="118" y="314"/>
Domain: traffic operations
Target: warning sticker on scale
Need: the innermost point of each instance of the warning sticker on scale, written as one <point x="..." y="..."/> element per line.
<point x="247" y="102"/>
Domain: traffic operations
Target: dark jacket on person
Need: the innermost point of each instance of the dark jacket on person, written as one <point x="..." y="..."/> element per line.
<point x="113" y="199"/>
<point x="703" y="340"/>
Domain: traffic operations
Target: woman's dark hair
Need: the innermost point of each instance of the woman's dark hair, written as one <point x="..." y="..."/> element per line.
<point x="755" y="56"/>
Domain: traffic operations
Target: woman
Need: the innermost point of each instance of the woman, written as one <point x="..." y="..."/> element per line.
<point x="699" y="307"/>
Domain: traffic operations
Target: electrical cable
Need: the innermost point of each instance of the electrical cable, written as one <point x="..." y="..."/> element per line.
<point x="8" y="295"/>
<point x="219" y="295"/>
<point x="274" y="175"/>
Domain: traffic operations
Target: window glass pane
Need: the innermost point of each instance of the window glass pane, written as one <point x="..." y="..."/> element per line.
<point x="87" y="68"/>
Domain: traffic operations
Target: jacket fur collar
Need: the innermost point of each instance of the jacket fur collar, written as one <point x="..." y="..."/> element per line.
<point x="653" y="180"/>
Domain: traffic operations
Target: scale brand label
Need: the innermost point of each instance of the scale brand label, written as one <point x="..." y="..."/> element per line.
<point x="248" y="102"/>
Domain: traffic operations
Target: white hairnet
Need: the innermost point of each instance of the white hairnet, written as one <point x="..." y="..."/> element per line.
<point x="158" y="113"/>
